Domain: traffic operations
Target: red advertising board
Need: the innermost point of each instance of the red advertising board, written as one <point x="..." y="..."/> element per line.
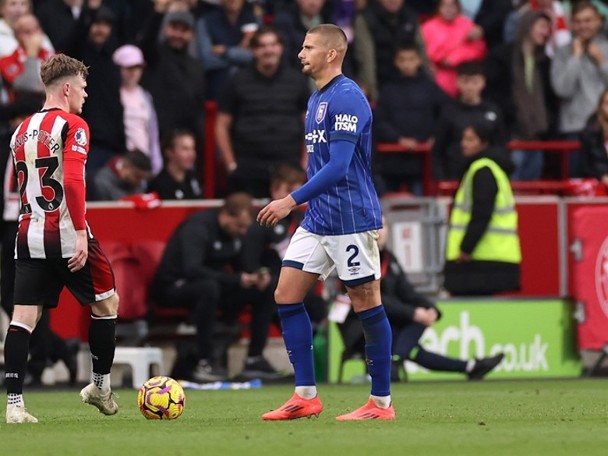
<point x="539" y="237"/>
<point x="588" y="266"/>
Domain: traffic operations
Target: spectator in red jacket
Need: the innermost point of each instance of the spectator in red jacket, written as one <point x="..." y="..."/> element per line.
<point x="451" y="38"/>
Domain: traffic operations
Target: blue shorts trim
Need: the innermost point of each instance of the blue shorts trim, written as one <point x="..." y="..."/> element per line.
<point x="293" y="264"/>
<point x="361" y="281"/>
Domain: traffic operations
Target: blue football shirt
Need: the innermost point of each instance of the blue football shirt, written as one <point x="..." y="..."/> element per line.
<point x="340" y="111"/>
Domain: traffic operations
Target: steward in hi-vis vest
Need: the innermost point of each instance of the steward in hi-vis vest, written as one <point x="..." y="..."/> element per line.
<point x="500" y="241"/>
<point x="483" y="252"/>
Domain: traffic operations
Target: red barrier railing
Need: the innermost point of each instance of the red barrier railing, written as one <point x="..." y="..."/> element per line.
<point x="209" y="162"/>
<point x="210" y="168"/>
<point x="448" y="187"/>
<point x="432" y="187"/>
<point x="422" y="149"/>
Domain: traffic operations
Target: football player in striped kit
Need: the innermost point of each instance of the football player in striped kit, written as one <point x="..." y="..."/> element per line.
<point x="54" y="245"/>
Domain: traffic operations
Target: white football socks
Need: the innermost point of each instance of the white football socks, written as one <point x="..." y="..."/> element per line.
<point x="306" y="392"/>
<point x="101" y="381"/>
<point x="382" y="401"/>
<point x="15" y="399"/>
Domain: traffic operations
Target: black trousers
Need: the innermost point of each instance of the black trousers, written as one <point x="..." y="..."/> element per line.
<point x="210" y="300"/>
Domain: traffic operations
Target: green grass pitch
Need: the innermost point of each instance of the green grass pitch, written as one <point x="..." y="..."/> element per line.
<point x="549" y="417"/>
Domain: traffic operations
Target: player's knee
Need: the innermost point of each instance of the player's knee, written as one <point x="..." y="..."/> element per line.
<point x="289" y="295"/>
<point x="106" y="307"/>
<point x="365" y="296"/>
<point x="26" y="315"/>
<point x="280" y="297"/>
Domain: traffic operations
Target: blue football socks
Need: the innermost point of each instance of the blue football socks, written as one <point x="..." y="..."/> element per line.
<point x="297" y="333"/>
<point x="378" y="343"/>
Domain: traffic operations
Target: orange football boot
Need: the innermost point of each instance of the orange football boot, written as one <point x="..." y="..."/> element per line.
<point x="296" y="407"/>
<point x="369" y="411"/>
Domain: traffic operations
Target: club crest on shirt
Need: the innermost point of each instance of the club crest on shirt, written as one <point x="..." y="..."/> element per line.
<point x="80" y="137"/>
<point x="321" y="111"/>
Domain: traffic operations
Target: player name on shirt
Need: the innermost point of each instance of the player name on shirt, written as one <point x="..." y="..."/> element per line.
<point x="41" y="136"/>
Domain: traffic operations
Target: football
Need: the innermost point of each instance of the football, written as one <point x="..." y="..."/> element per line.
<point x="161" y="398"/>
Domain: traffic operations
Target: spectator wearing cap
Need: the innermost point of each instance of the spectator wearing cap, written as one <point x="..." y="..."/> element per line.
<point x="172" y="76"/>
<point x="10" y="11"/>
<point x="141" y="123"/>
<point x="223" y="38"/>
<point x="93" y="42"/>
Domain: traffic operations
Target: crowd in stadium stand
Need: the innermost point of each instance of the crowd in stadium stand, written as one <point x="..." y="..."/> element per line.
<point x="542" y="67"/>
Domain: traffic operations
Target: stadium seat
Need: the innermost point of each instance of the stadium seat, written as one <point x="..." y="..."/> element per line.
<point x="134" y="267"/>
<point x="141" y="360"/>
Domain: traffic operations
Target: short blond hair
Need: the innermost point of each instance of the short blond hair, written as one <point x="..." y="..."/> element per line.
<point x="60" y="66"/>
<point x="333" y="36"/>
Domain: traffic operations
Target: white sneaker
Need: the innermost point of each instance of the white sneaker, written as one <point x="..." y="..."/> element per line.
<point x="18" y="415"/>
<point x="104" y="402"/>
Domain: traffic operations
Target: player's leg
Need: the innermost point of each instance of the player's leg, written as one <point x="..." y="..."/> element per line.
<point x="407" y="346"/>
<point x="16" y="348"/>
<point x="262" y="312"/>
<point x="304" y="261"/>
<point x="102" y="343"/>
<point x="34" y="283"/>
<point x="93" y="285"/>
<point x="358" y="264"/>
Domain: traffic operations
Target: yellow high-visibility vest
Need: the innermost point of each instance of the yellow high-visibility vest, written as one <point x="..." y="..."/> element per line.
<point x="501" y="241"/>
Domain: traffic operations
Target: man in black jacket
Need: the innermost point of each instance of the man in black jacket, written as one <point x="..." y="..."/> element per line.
<point x="201" y="270"/>
<point x="178" y="179"/>
<point x="409" y="314"/>
<point x="93" y="41"/>
<point x="260" y="117"/>
<point x="174" y="78"/>
<point x="470" y="108"/>
<point x="406" y="113"/>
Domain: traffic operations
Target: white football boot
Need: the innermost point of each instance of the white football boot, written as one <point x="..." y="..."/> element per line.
<point x="104" y="402"/>
<point x="18" y="415"/>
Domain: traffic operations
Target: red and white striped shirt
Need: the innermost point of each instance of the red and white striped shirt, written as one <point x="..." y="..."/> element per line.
<point x="49" y="152"/>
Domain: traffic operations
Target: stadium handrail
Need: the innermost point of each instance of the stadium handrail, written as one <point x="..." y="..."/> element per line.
<point x="431" y="187"/>
<point x="209" y="168"/>
<point x="448" y="187"/>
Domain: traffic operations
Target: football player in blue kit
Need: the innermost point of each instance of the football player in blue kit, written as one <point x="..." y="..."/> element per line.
<point x="339" y="230"/>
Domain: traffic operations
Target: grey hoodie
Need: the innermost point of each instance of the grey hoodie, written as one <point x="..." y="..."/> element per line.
<point x="579" y="83"/>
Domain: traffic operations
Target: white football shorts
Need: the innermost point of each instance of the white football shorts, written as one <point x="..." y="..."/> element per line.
<point x="355" y="256"/>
